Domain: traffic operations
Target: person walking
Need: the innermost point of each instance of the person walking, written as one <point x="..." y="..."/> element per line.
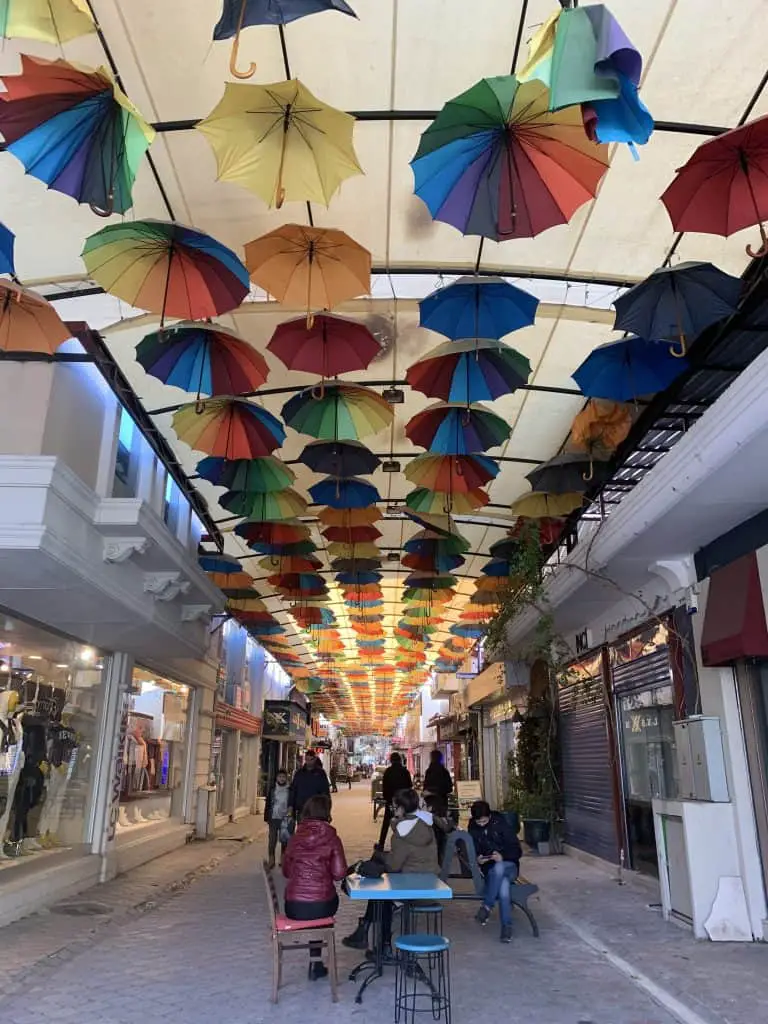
<point x="313" y="862"/>
<point x="334" y="776"/>
<point x="438" y="786"/>
<point x="395" y="778"/>
<point x="309" y="780"/>
<point x="498" y="855"/>
<point x="276" y="807"/>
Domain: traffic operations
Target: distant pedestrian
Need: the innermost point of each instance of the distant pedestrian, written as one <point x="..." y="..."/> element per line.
<point x="395" y="778"/>
<point x="438" y="786"/>
<point x="276" y="808"/>
<point x="334" y="777"/>
<point x="309" y="780"/>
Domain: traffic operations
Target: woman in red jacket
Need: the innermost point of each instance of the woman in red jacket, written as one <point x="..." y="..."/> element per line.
<point x="313" y="862"/>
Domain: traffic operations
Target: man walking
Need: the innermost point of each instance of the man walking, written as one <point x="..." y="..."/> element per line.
<point x="498" y="855"/>
<point x="309" y="780"/>
<point x="395" y="778"/>
<point x="276" y="812"/>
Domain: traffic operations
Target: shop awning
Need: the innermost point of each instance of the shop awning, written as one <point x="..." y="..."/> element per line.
<point x="734" y="622"/>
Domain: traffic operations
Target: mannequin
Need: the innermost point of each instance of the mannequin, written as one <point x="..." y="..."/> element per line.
<point x="63" y="746"/>
<point x="30" y="789"/>
<point x="11" y="758"/>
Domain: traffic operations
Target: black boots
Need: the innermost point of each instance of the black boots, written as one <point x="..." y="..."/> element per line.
<point x="359" y="937"/>
<point x="317" y="970"/>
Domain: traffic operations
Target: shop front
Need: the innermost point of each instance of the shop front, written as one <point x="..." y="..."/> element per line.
<point x="236" y="756"/>
<point x="283" y="739"/>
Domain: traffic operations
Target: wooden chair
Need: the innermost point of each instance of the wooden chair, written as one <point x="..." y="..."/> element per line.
<point x="290" y="934"/>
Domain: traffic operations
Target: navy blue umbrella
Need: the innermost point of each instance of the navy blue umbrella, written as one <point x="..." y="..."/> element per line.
<point x="624" y="370"/>
<point x="339" y="458"/>
<point x="344" y="492"/>
<point x="7" y="240"/>
<point x="678" y="303"/>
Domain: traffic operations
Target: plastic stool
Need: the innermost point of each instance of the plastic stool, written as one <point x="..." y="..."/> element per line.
<point x="421" y="917"/>
<point x="417" y="990"/>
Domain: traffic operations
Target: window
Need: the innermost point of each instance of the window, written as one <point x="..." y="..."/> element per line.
<point x="124" y="485"/>
<point x="171" y="501"/>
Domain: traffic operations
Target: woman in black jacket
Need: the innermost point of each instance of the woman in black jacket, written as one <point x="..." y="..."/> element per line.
<point x="438" y="786"/>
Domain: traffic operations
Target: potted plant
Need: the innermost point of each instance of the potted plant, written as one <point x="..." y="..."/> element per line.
<point x="533" y="771"/>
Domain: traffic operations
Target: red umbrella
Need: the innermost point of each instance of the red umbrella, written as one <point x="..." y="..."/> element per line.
<point x="270" y="532"/>
<point x="329" y="347"/>
<point x="724" y="186"/>
<point x="352" y="534"/>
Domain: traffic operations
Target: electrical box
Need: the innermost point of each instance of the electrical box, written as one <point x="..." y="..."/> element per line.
<point x="700" y="759"/>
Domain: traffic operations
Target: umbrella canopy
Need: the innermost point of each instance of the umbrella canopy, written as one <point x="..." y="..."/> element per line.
<point x="344" y="492"/>
<point x="356" y="565"/>
<point x="28" y="323"/>
<point x="217" y="562"/>
<point x="495" y="162"/>
<point x="478" y="307"/>
<point x="678" y="302"/>
<point x="258" y="476"/>
<point x="231" y="581"/>
<point x="349" y="517"/>
<point x="451" y="473"/>
<point x="422" y="500"/>
<point x="49" y="21"/>
<point x="7" y="244"/>
<point x="230" y="428"/>
<point x="75" y="130"/>
<point x="358" y="578"/>
<point x="278" y="505"/>
<point x="342" y="412"/>
<point x="281" y="142"/>
<point x="601" y="427"/>
<point x="566" y="473"/>
<point x="626" y="369"/>
<point x="338" y="549"/>
<point x="469" y="371"/>
<point x="436" y="561"/>
<point x="539" y="504"/>
<point x="427" y="542"/>
<point x="276" y="533"/>
<point x="447" y="428"/>
<point x="723" y="187"/>
<point x="204" y="359"/>
<point x="352" y="534"/>
<point x="166" y="268"/>
<point x="329" y="347"/>
<point x="289" y="563"/>
<point x="339" y="458"/>
<point x="312" y="267"/>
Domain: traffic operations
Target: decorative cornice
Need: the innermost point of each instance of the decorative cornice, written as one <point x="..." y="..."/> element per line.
<point x="120" y="549"/>
<point x="195" y="612"/>
<point x="165" y="586"/>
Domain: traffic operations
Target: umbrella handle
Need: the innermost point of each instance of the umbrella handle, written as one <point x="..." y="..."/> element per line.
<point x="590" y="474"/>
<point x="236" y="47"/>
<point x="680" y="348"/>
<point x="756" y="254"/>
<point x="318" y="392"/>
<point x="200" y="406"/>
<point x="108" y="210"/>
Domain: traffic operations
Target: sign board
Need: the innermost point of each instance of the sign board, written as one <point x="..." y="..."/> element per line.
<point x="284" y="720"/>
<point x="469" y="791"/>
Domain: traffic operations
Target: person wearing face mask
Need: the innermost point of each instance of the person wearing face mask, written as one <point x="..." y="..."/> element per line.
<point x="498" y="856"/>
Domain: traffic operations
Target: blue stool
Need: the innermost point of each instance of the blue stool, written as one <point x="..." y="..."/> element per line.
<point x="417" y="990"/>
<point x="415" y="915"/>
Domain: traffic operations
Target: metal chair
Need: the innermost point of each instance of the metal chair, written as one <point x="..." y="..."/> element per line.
<point x="417" y="990"/>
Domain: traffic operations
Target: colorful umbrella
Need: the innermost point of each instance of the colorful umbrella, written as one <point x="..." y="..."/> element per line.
<point x="678" y="303"/>
<point x="365" y="549"/>
<point x="451" y="473"/>
<point x="626" y="369"/>
<point x="281" y="142"/>
<point x="469" y="371"/>
<point x="289" y="563"/>
<point x="76" y="131"/>
<point x="277" y="533"/>
<point x="352" y="534"/>
<point x="217" y="562"/>
<point x="308" y="267"/>
<point x="358" y="578"/>
<point x="28" y="323"/>
<point x="343" y="412"/>
<point x="723" y="187"/>
<point x="495" y="162"/>
<point x="427" y="542"/>
<point x="455" y="429"/>
<point x="7" y="244"/>
<point x="205" y="359"/>
<point x="477" y="307"/>
<point x="329" y="347"/>
<point x="278" y="505"/>
<point x="422" y="500"/>
<point x="349" y="517"/>
<point x="49" y="21"/>
<point x="231" y="581"/>
<point x="166" y="268"/>
<point x="356" y="565"/>
<point x="539" y="504"/>
<point x="339" y="458"/>
<point x="231" y="428"/>
<point x="344" y="492"/>
<point x="263" y="475"/>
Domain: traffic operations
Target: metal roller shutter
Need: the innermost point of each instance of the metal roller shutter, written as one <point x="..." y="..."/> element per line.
<point x="643" y="673"/>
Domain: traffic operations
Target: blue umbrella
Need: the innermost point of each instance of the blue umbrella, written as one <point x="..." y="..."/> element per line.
<point x="477" y="307"/>
<point x="219" y="563"/>
<point x="497" y="567"/>
<point x="468" y="630"/>
<point x="678" y="303"/>
<point x="624" y="370"/>
<point x="344" y="492"/>
<point x="358" y="578"/>
<point x="7" y="240"/>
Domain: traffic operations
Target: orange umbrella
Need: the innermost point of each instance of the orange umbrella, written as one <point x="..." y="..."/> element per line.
<point x="28" y="323"/>
<point x="601" y="426"/>
<point x="349" y="516"/>
<point x="231" y="580"/>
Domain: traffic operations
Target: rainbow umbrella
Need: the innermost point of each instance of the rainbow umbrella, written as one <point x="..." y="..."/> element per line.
<point x="467" y="630"/>
<point x="477" y="307"/>
<point x="469" y="371"/>
<point x="364" y="550"/>
<point x="230" y="428"/>
<point x="344" y="492"/>
<point x="262" y="475"/>
<point x="358" y="578"/>
<point x="428" y="542"/>
<point x="447" y="428"/>
<point x="205" y="359"/>
<point x="436" y="562"/>
<point x="166" y="268"/>
<point x="74" y="130"/>
<point x="7" y="244"/>
<point x="451" y="473"/>
<point x="422" y="500"/>
<point x="257" y="508"/>
<point x="48" y="21"/>
<point x="343" y="412"/>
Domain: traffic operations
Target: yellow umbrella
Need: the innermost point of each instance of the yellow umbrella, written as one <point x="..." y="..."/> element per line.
<point x="539" y="504"/>
<point x="50" y="21"/>
<point x="313" y="268"/>
<point x="281" y="142"/>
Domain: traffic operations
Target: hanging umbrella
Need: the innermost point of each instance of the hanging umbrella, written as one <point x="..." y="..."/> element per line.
<point x="218" y="562"/>
<point x="349" y="516"/>
<point x="468" y="630"/>
<point x="453" y="473"/>
<point x="239" y="14"/>
<point x="495" y="162"/>
<point x="584" y="56"/>
<point x="447" y="428"/>
<point x="204" y="359"/>
<point x="678" y="303"/>
<point x="338" y="549"/>
<point x="358" y="578"/>
<point x="290" y="563"/>
<point x="166" y="268"/>
<point x="477" y="307"/>
<point x="277" y="533"/>
<point x="723" y="187"/>
<point x="343" y="412"/>
<point x="258" y="476"/>
<point x="278" y="505"/>
<point x="600" y="428"/>
<point x="428" y="542"/>
<point x="469" y="371"/>
<point x="230" y="428"/>
<point x="28" y="323"/>
<point x="76" y="131"/>
<point x="356" y="565"/>
<point x="435" y="561"/>
<point x="329" y="347"/>
<point x="7" y="243"/>
<point x="352" y="534"/>
<point x="48" y="21"/>
<point x="231" y="581"/>
<point x="626" y="369"/>
<point x="281" y="142"/>
<point x="567" y="473"/>
<point x="339" y="458"/>
<point x="344" y="492"/>
<point x="422" y="500"/>
<point x="421" y="582"/>
<point x="306" y="581"/>
<point x="308" y="267"/>
<point x="539" y="504"/>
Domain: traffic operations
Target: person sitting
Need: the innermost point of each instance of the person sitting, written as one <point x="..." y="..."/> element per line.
<point x="313" y="861"/>
<point x="413" y="849"/>
<point x="498" y="855"/>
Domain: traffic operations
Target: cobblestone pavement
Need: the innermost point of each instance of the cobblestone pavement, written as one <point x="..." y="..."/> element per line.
<point x="203" y="955"/>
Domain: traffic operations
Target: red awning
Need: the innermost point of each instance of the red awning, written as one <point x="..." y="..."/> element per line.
<point x="734" y="622"/>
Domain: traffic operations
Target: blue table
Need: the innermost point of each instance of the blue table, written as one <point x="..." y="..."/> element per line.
<point x="404" y="887"/>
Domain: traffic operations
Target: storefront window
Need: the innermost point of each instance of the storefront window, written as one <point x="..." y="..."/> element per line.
<point x="154" y="750"/>
<point x="649" y="744"/>
<point x="50" y="705"/>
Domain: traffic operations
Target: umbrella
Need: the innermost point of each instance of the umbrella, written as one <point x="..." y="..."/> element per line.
<point x="277" y="533"/>
<point x="258" y="476"/>
<point x="723" y="187"/>
<point x="539" y="504"/>
<point x="329" y="347"/>
<point x="454" y="473"/>
<point x="429" y="542"/>
<point x="217" y="562"/>
<point x="49" y="21"/>
<point x="471" y="631"/>
<point x="469" y="371"/>
<point x="307" y="581"/>
<point x="447" y="428"/>
<point x="28" y="323"/>
<point x="286" y="504"/>
<point x="358" y="578"/>
<point x="76" y="131"/>
<point x="338" y="549"/>
<point x="678" y="303"/>
<point x="566" y="473"/>
<point x="627" y="369"/>
<point x="239" y="14"/>
<point x="422" y="500"/>
<point x="436" y="561"/>
<point x="166" y="268"/>
<point x="7" y="243"/>
<point x="339" y="458"/>
<point x="281" y="142"/>
<point x="344" y="492"/>
<point x="420" y="581"/>
<point x="343" y="412"/>
<point x="477" y="307"/>
<point x="349" y="517"/>
<point x="584" y="56"/>
<point x="290" y="563"/>
<point x="495" y="162"/>
<point x="202" y="358"/>
<point x="314" y="268"/>
<point x="601" y="426"/>
<point x="231" y="581"/>
<point x="356" y="565"/>
<point x="231" y="428"/>
<point x="352" y="534"/>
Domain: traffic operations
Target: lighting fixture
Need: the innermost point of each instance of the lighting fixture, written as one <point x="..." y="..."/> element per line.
<point x="34" y="657"/>
<point x="393" y="556"/>
<point x="4" y="666"/>
<point x="394" y="396"/>
<point x="390" y="466"/>
<point x="87" y="654"/>
<point x="62" y="665"/>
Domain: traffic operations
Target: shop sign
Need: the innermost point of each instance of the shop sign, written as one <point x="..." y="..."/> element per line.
<point x="229" y="717"/>
<point x="502" y="712"/>
<point x="117" y="770"/>
<point x="638" y="721"/>
<point x="283" y="720"/>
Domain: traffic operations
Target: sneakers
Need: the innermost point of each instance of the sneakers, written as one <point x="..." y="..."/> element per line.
<point x="506" y="933"/>
<point x="359" y="937"/>
<point x="317" y="970"/>
<point x="482" y="915"/>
